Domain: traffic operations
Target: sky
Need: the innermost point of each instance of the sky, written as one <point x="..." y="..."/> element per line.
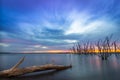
<point x="55" y="25"/>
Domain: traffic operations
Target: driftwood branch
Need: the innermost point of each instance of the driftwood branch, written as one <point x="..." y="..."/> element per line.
<point x="21" y="60"/>
<point x="15" y="71"/>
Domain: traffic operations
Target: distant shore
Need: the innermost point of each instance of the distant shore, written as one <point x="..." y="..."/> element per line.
<point x="51" y="53"/>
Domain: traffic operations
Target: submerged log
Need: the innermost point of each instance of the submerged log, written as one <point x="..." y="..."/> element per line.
<point x="15" y="71"/>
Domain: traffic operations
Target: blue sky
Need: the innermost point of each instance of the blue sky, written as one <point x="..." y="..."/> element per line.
<point x="42" y="25"/>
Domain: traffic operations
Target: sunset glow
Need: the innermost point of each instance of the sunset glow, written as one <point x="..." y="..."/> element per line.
<point x="56" y="25"/>
<point x="49" y="51"/>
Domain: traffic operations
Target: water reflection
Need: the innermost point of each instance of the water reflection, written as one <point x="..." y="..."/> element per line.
<point x="114" y="62"/>
<point x="85" y="67"/>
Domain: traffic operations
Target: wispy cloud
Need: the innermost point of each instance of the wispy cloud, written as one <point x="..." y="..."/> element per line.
<point x="88" y="24"/>
<point x="4" y="45"/>
<point x="39" y="25"/>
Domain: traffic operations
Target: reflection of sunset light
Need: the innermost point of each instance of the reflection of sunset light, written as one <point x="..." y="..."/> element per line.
<point x="115" y="63"/>
<point x="98" y="63"/>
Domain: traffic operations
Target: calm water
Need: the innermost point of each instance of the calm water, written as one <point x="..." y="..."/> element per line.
<point x="85" y="67"/>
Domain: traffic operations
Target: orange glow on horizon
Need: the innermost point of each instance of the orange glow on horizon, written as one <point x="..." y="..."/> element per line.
<point x="62" y="51"/>
<point x="97" y="51"/>
<point x="48" y="51"/>
<point x="57" y="51"/>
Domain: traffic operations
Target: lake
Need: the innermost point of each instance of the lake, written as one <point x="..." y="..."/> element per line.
<point x="84" y="67"/>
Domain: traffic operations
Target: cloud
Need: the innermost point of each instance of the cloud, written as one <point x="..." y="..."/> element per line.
<point x="71" y="41"/>
<point x="37" y="46"/>
<point x="40" y="46"/>
<point x="43" y="24"/>
<point x="90" y="24"/>
<point x="4" y="45"/>
<point x="44" y="47"/>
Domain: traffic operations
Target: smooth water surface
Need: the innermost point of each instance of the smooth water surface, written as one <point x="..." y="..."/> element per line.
<point x="84" y="67"/>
